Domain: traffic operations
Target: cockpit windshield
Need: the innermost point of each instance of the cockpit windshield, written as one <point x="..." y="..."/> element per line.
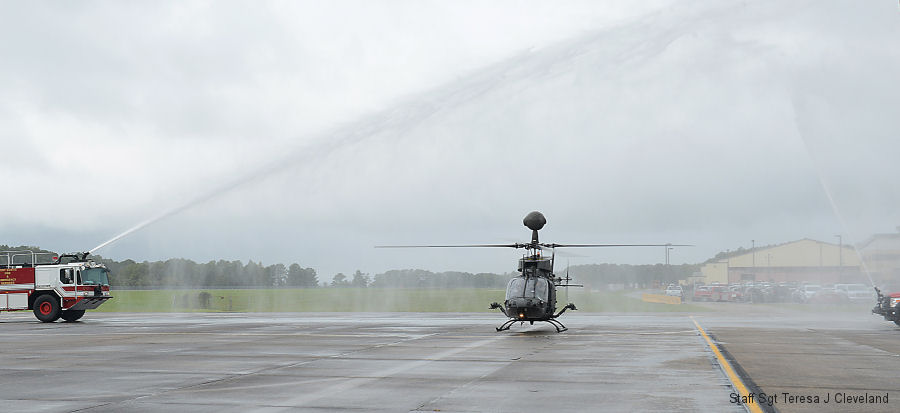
<point x="527" y="288"/>
<point x="95" y="276"/>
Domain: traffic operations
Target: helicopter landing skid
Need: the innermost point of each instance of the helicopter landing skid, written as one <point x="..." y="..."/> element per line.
<point x="506" y="325"/>
<point x="559" y="326"/>
<point x="555" y="323"/>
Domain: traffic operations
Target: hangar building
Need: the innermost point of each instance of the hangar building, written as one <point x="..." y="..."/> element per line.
<point x="805" y="260"/>
<point x="881" y="253"/>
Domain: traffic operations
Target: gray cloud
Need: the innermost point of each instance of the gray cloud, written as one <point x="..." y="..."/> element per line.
<point x="710" y="124"/>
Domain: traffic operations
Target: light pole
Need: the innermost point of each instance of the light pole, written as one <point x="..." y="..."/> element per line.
<point x="666" y="269"/>
<point x="753" y="250"/>
<point x="840" y="256"/>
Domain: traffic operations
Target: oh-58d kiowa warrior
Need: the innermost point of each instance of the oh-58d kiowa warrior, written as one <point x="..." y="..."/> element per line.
<point x="64" y="287"/>
<point x="531" y="296"/>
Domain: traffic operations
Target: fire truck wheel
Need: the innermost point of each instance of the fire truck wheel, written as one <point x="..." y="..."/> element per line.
<point x="72" y="315"/>
<point x="46" y="308"/>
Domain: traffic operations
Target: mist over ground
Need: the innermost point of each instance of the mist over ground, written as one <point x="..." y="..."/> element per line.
<point x="304" y="133"/>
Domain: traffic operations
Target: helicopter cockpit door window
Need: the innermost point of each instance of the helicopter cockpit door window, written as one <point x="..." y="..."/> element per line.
<point x="530" y="288"/>
<point x="540" y="289"/>
<point x="515" y="288"/>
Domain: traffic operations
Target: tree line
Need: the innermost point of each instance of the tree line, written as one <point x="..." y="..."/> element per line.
<point x="180" y="272"/>
<point x="447" y="279"/>
<point x="630" y="276"/>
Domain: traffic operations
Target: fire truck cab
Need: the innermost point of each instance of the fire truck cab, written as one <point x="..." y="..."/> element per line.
<point x="64" y="287"/>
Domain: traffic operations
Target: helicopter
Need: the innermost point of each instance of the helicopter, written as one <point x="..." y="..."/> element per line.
<point x="531" y="296"/>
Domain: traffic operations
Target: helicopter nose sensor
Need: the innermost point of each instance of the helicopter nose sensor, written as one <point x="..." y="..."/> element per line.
<point x="534" y="220"/>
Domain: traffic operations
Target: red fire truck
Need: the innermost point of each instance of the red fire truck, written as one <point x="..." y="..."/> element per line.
<point x="64" y="287"/>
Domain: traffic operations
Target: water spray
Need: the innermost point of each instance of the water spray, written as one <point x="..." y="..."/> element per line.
<point x="829" y="194"/>
<point x="529" y="65"/>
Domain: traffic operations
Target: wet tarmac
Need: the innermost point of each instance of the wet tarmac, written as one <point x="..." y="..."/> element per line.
<point x="813" y="361"/>
<point x="434" y="362"/>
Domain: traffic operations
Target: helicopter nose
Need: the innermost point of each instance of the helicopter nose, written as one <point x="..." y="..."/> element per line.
<point x="523" y="308"/>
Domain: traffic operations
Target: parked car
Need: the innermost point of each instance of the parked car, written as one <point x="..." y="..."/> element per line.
<point x="675" y="291"/>
<point x="828" y="296"/>
<point x="718" y="293"/>
<point x="805" y="292"/>
<point x="701" y="293"/>
<point x="735" y="293"/>
<point x="856" y="292"/>
<point x="756" y="293"/>
<point x="781" y="292"/>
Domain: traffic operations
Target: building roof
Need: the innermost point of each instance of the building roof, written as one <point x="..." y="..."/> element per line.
<point x="882" y="242"/>
<point x="800" y="253"/>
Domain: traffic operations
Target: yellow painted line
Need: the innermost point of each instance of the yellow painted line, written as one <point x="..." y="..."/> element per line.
<point x="729" y="371"/>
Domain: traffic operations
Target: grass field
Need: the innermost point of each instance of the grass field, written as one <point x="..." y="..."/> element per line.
<point x="359" y="299"/>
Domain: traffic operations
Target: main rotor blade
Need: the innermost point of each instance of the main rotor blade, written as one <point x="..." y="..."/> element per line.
<point x="613" y="245"/>
<point x="455" y="246"/>
<point x="533" y="246"/>
<point x="567" y="254"/>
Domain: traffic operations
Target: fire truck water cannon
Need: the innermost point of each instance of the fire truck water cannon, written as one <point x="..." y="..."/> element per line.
<point x="64" y="287"/>
<point x="888" y="306"/>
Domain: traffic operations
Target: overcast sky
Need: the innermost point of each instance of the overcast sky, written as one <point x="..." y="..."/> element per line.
<point x="310" y="132"/>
